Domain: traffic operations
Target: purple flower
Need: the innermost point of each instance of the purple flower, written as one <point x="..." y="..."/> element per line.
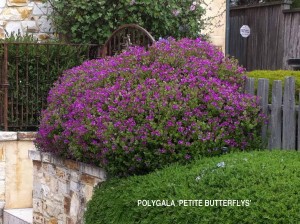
<point x="192" y="7"/>
<point x="187" y="157"/>
<point x="176" y="12"/>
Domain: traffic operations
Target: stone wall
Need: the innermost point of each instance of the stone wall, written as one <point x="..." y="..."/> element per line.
<point x="25" y="16"/>
<point x="61" y="188"/>
<point x="16" y="174"/>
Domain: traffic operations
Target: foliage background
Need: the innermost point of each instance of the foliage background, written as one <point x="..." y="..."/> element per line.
<point x="94" y="20"/>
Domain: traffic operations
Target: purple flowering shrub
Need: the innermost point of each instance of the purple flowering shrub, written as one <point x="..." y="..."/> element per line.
<point x="141" y="110"/>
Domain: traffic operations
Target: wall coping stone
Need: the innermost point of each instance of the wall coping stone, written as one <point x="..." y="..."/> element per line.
<point x="75" y="165"/>
<point x="8" y="136"/>
<point x="17" y="136"/>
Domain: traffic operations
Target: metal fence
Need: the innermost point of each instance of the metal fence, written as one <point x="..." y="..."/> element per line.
<point x="27" y="72"/>
<point x="283" y="128"/>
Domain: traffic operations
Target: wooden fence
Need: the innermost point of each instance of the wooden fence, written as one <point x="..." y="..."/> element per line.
<point x="274" y="35"/>
<point x="283" y="128"/>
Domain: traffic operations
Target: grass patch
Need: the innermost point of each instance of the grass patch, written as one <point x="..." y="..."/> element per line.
<point x="270" y="180"/>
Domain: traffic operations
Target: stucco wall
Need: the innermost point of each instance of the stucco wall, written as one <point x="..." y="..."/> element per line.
<point x="216" y="9"/>
<point x="25" y="16"/>
<point x="16" y="169"/>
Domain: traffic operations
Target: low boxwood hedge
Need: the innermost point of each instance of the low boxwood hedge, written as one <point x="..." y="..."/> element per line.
<point x="265" y="185"/>
<point x="273" y="75"/>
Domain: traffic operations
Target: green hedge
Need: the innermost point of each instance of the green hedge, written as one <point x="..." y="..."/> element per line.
<point x="266" y="183"/>
<point x="273" y="75"/>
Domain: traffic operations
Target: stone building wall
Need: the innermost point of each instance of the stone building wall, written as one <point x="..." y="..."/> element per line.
<point x="25" y="16"/>
<point x="61" y="188"/>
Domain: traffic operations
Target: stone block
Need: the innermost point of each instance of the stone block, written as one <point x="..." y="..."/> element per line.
<point x="64" y="187"/>
<point x="37" y="205"/>
<point x="37" y="190"/>
<point x="10" y="14"/>
<point x="53" y="221"/>
<point x="93" y="171"/>
<point x="54" y="185"/>
<point x="62" y="174"/>
<point x="88" y="192"/>
<point x="70" y="221"/>
<point x="17" y="2"/>
<point x="46" y="157"/>
<point x="30" y="26"/>
<point x="87" y="179"/>
<point x="75" y="205"/>
<point x="67" y="205"/>
<point x="40" y="9"/>
<point x="45" y="24"/>
<point x="26" y="136"/>
<point x="34" y="155"/>
<point x="37" y="165"/>
<point x="75" y="176"/>
<point x="45" y="190"/>
<point x="53" y="210"/>
<point x="75" y="186"/>
<point x="38" y="218"/>
<point x="8" y="135"/>
<point x="71" y="164"/>
<point x="49" y="168"/>
<point x="43" y="36"/>
<point x="26" y="14"/>
<point x="13" y="28"/>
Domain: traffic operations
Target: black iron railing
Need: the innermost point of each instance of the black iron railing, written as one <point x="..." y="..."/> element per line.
<point x="28" y="71"/>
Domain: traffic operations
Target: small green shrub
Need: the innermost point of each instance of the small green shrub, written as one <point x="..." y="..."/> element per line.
<point x="270" y="180"/>
<point x="273" y="75"/>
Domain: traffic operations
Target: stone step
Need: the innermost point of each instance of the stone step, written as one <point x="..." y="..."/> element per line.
<point x="17" y="216"/>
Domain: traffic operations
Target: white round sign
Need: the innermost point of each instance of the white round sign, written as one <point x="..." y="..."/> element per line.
<point x="245" y="31"/>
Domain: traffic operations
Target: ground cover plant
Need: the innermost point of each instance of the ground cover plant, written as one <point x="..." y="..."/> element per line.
<point x="264" y="183"/>
<point x="138" y="111"/>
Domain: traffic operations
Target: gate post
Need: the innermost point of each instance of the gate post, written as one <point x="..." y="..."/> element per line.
<point x="4" y="86"/>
